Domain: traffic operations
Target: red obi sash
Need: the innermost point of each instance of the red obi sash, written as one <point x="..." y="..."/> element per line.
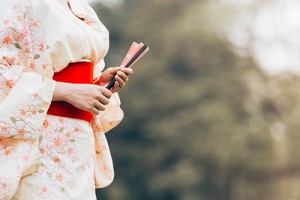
<point x="78" y="73"/>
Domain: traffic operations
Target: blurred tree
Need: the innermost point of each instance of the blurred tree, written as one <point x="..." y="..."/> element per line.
<point x="201" y="122"/>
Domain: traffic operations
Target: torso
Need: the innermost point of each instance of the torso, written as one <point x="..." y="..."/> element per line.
<point x="75" y="33"/>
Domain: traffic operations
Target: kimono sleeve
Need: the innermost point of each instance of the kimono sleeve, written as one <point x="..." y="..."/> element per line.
<point x="26" y="87"/>
<point x="101" y="124"/>
<point x="113" y="114"/>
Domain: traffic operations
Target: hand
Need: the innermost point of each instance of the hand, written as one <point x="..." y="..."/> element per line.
<point x="89" y="97"/>
<point x="121" y="75"/>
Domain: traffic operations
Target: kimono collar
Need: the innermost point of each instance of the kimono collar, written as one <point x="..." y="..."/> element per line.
<point x="79" y="10"/>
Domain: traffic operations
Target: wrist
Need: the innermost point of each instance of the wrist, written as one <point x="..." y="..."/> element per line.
<point x="62" y="92"/>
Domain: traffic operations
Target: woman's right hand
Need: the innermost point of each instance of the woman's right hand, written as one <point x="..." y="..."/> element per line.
<point x="89" y="97"/>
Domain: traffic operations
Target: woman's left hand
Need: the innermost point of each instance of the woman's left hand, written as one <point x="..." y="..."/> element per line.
<point x="121" y="74"/>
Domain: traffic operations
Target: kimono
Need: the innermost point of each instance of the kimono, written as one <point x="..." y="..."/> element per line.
<point x="44" y="156"/>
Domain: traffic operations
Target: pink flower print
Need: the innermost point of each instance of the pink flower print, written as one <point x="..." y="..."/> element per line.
<point x="45" y="67"/>
<point x="8" y="78"/>
<point x="10" y="60"/>
<point x="42" y="46"/>
<point x="76" y="129"/>
<point x="22" y="111"/>
<point x="36" y="95"/>
<point x="55" y="141"/>
<point x="19" y="18"/>
<point x="69" y="150"/>
<point x="31" y="66"/>
<point x="39" y="45"/>
<point x="6" y="22"/>
<point x="7" y="152"/>
<point x="97" y="128"/>
<point x="56" y="160"/>
<point x="27" y="111"/>
<point x="44" y="190"/>
<point x="34" y="24"/>
<point x="22" y="129"/>
<point x="4" y="128"/>
<point x="27" y="42"/>
<point x="3" y="144"/>
<point x="24" y="32"/>
<point x="45" y="123"/>
<point x="6" y="85"/>
<point x="68" y="134"/>
<point x="61" y="120"/>
<point x="53" y="161"/>
<point x="71" y="154"/>
<point x="46" y="70"/>
<point x="34" y="112"/>
<point x="7" y="39"/>
<point x="27" y="51"/>
<point x="56" y="67"/>
<point x="23" y="156"/>
<point x="61" y="177"/>
<point x="4" y="186"/>
<point x="42" y="150"/>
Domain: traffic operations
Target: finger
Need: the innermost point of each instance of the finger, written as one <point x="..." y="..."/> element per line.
<point x="123" y="76"/>
<point x="113" y="70"/>
<point x="99" y="106"/>
<point x="116" y="87"/>
<point x="95" y="111"/>
<point x="103" y="99"/>
<point x="105" y="92"/>
<point x="127" y="71"/>
<point x="120" y="81"/>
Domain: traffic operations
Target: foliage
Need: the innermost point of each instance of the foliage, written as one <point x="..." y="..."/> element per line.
<point x="201" y="122"/>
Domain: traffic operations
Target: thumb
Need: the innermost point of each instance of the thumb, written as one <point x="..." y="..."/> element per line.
<point x="113" y="70"/>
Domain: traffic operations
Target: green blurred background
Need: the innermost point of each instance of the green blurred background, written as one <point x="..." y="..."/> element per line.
<point x="203" y="120"/>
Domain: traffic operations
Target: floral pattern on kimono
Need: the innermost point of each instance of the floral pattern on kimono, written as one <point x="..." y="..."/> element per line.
<point x="25" y="93"/>
<point x="37" y="39"/>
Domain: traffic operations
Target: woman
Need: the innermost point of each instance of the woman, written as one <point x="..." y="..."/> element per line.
<point x="54" y="108"/>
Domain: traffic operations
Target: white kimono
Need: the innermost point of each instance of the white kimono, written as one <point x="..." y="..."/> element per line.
<point x="44" y="156"/>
